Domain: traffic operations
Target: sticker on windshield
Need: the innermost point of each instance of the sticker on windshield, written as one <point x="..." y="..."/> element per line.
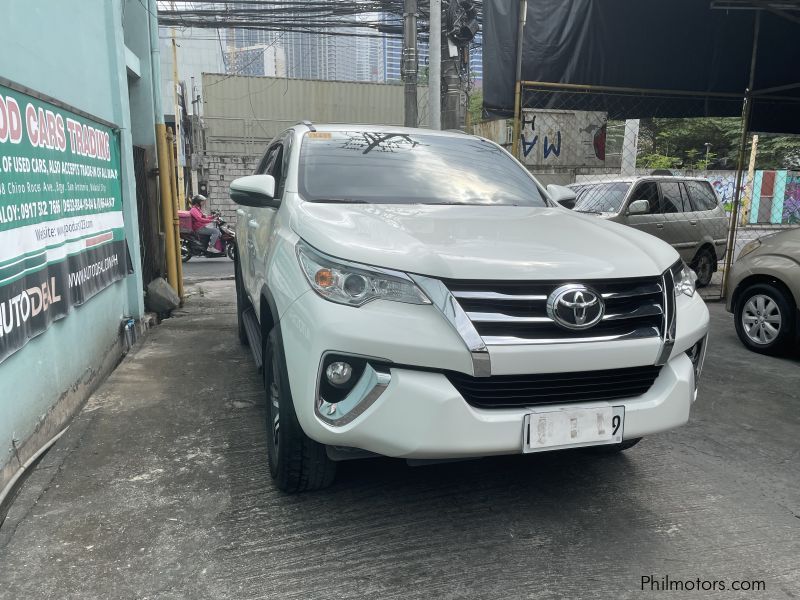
<point x="319" y="135"/>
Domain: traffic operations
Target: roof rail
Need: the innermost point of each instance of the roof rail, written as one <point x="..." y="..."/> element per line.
<point x="309" y="124"/>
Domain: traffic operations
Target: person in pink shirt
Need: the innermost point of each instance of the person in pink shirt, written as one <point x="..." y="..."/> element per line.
<point x="203" y="224"/>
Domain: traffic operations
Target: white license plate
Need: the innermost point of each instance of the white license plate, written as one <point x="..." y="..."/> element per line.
<point x="572" y="428"/>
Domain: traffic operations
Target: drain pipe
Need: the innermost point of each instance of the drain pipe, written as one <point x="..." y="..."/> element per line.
<point x="6" y="492"/>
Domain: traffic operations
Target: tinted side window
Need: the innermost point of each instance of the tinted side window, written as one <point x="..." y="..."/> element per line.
<point x="284" y="166"/>
<point x="268" y="160"/>
<point x="701" y="195"/>
<point x="648" y="190"/>
<point x="671" y="192"/>
<point x="275" y="166"/>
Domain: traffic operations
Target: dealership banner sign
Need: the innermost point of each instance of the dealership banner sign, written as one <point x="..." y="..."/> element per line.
<point x="61" y="228"/>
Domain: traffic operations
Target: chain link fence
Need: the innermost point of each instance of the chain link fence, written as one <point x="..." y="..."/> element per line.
<point x="675" y="178"/>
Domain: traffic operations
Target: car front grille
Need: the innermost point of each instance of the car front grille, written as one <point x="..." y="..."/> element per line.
<point x="515" y="312"/>
<point x="507" y="391"/>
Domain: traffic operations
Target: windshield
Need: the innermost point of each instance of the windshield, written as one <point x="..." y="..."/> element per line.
<point x="402" y="168"/>
<point x="600" y="197"/>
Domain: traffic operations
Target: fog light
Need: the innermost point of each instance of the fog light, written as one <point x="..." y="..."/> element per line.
<point x="338" y="373"/>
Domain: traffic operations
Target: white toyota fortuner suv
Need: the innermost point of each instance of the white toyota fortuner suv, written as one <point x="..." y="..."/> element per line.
<point x="418" y="294"/>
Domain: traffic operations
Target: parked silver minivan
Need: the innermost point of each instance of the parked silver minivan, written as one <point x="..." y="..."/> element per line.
<point x="683" y="211"/>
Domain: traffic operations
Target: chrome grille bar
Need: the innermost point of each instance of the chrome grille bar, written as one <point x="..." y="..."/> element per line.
<point x="636" y="334"/>
<point x="499" y="296"/>
<point x="515" y="312"/>
<point x="644" y="290"/>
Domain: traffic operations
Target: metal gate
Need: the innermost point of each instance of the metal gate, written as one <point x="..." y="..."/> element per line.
<point x="683" y="180"/>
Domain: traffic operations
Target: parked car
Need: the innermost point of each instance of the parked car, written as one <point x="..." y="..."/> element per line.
<point x="765" y="292"/>
<point x="683" y="211"/>
<point x="416" y="294"/>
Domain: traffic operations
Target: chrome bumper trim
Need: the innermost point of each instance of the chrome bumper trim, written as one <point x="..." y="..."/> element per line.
<point x="670" y="310"/>
<point x="445" y="302"/>
<point x="365" y="392"/>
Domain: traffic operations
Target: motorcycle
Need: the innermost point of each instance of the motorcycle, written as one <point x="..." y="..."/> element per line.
<point x="193" y="244"/>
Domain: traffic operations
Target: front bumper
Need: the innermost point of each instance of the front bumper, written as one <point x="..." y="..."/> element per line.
<point x="421" y="415"/>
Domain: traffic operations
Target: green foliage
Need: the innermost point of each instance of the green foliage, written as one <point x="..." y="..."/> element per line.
<point x="681" y="144"/>
<point x="476" y="106"/>
<point x="657" y="161"/>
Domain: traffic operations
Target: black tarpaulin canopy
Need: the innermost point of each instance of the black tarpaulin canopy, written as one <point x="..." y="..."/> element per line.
<point x="702" y="49"/>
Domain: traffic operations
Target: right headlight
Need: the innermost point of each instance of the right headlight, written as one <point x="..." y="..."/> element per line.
<point x="684" y="279"/>
<point x="355" y="285"/>
<point x="748" y="248"/>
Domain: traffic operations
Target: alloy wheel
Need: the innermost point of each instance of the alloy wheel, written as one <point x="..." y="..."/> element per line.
<point x="761" y="319"/>
<point x="705" y="268"/>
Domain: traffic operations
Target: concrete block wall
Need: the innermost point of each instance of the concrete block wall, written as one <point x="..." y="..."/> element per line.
<point x="221" y="170"/>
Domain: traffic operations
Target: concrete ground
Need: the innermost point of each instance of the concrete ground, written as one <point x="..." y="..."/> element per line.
<point x="160" y="490"/>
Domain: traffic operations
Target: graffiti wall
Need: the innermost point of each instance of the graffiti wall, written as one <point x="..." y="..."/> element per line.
<point x="791" y="199"/>
<point x="563" y="138"/>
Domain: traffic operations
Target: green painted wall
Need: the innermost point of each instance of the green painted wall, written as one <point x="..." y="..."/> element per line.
<point x="74" y="51"/>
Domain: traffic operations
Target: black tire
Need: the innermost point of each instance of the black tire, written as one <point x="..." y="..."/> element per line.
<point x="763" y="323"/>
<point x="296" y="462"/>
<point x="242" y="304"/>
<point x="704" y="264"/>
<point x="186" y="254"/>
<point x="614" y="448"/>
<point x="230" y="250"/>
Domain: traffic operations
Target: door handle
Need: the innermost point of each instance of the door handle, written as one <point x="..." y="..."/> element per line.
<point x="252" y="224"/>
<point x="660" y="225"/>
<point x="693" y="223"/>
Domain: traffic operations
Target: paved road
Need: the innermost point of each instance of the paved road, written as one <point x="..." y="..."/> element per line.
<point x="160" y="490"/>
<point x="199" y="269"/>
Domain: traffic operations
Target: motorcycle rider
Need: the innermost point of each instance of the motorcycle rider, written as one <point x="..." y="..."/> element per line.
<point x="203" y="224"/>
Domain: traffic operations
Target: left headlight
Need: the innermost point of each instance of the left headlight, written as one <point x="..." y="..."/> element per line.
<point x="684" y="279"/>
<point x="355" y="284"/>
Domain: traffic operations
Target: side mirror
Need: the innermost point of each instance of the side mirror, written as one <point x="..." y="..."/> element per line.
<point x="563" y="195"/>
<point x="639" y="207"/>
<point x="254" y="190"/>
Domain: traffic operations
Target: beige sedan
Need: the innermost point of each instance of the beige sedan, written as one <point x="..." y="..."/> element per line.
<point x="764" y="296"/>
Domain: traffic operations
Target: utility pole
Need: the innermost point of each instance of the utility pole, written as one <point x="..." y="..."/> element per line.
<point x="435" y="66"/>
<point x="178" y="128"/>
<point x="451" y="113"/>
<point x="630" y="147"/>
<point x="747" y="197"/>
<point x="410" y="62"/>
<point x="522" y="15"/>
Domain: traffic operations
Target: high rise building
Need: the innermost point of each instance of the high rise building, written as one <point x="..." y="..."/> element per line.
<point x="476" y="60"/>
<point x="329" y="54"/>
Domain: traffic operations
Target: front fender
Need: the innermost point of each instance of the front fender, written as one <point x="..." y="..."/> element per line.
<point x="284" y="278"/>
<point x="778" y="266"/>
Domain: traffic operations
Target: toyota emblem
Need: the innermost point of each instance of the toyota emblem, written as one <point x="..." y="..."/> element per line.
<point x="575" y="306"/>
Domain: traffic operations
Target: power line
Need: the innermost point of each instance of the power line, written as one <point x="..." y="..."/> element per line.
<point x="348" y="18"/>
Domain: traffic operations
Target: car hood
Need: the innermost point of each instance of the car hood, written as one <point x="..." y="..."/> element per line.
<point x="481" y="242"/>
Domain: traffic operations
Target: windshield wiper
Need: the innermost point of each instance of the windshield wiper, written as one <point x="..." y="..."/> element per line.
<point x="591" y="212"/>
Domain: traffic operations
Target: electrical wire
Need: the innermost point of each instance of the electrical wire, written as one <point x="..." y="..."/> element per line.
<point x="347" y="18"/>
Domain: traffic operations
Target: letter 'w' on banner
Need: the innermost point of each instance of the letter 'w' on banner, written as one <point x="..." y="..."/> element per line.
<point x="61" y="228"/>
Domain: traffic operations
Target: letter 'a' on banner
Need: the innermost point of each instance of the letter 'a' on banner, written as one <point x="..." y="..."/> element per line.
<point x="62" y="234"/>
